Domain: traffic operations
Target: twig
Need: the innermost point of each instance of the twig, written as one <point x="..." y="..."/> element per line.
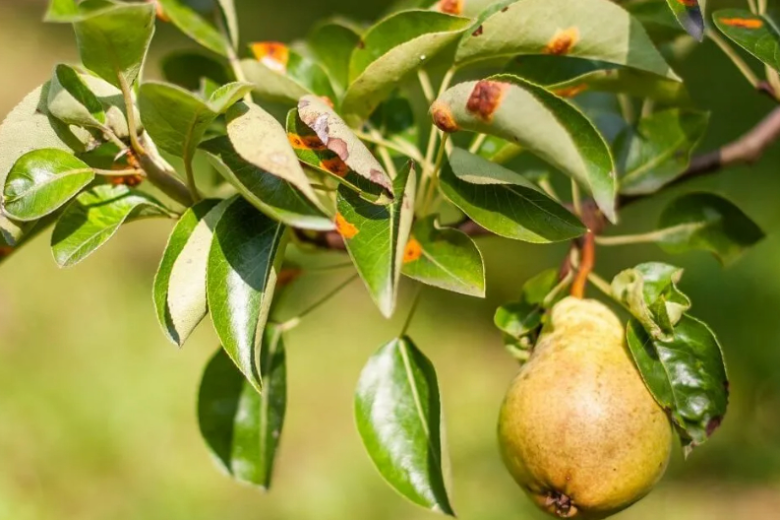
<point x="587" y="246"/>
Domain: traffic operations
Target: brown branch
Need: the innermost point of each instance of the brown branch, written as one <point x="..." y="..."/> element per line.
<point x="587" y="247"/>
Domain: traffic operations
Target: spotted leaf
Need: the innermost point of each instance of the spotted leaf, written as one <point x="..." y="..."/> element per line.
<point x="757" y="34"/>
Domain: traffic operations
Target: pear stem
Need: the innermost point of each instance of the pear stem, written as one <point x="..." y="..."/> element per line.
<point x="586" y="264"/>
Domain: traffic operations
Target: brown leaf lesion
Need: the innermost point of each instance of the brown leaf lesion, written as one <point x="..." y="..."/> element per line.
<point x="345" y="228"/>
<point x="743" y="23"/>
<point x="486" y="98"/>
<point x="412" y="251"/>
<point x="443" y="117"/>
<point x="563" y="41"/>
<point x="451" y="6"/>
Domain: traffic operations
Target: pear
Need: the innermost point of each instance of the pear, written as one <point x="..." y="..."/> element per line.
<point x="578" y="429"/>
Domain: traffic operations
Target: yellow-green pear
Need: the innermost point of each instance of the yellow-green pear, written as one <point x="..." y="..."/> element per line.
<point x="578" y="429"/>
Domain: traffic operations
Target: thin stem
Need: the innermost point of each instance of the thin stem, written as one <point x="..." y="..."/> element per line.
<point x="191" y="184"/>
<point x="547" y="187"/>
<point x="435" y="175"/>
<point x="627" y="108"/>
<point x="586" y="264"/>
<point x="377" y="139"/>
<point x="384" y="154"/>
<point x="752" y="6"/>
<point x="732" y="54"/>
<point x="646" y="238"/>
<point x="412" y="310"/>
<point x="648" y="106"/>
<point x="576" y="198"/>
<point x="762" y="6"/>
<point x="294" y="322"/>
<point x="111" y="136"/>
<point x="562" y="285"/>
<point x="425" y="83"/>
<point x="477" y="143"/>
<point x="118" y="173"/>
<point x="235" y="63"/>
<point x="601" y="284"/>
<point x="130" y="109"/>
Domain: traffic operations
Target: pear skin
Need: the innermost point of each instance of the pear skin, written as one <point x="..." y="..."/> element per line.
<point x="578" y="429"/>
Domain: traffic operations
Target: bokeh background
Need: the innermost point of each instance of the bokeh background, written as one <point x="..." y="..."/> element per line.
<point x="97" y="410"/>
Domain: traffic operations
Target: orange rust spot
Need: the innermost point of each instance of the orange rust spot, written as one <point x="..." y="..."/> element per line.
<point x="563" y="41"/>
<point x="570" y="92"/>
<point x="451" y="6"/>
<point x="128" y="180"/>
<point x="327" y="101"/>
<point x="306" y="142"/>
<point x="486" y="98"/>
<point x="689" y="3"/>
<point x="743" y="23"/>
<point x="160" y="13"/>
<point x="335" y="166"/>
<point x="443" y="118"/>
<point x="288" y="276"/>
<point x="344" y="228"/>
<point x="413" y="251"/>
<point x="6" y="251"/>
<point x="273" y="55"/>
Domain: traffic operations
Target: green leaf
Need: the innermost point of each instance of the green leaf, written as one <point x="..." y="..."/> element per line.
<point x="244" y="261"/>
<point x="61" y="11"/>
<point x="685" y="375"/>
<point x="709" y="222"/>
<point x="658" y="150"/>
<point x="228" y="8"/>
<point x="248" y="125"/>
<point x="180" y="283"/>
<point x="240" y="426"/>
<point x="393" y="48"/>
<point x="337" y="137"/>
<point x="376" y="236"/>
<point x="332" y="43"/>
<point x="658" y="20"/>
<point x="394" y="119"/>
<point x="282" y="75"/>
<point x="95" y="216"/>
<point x="524" y="317"/>
<point x="497" y="150"/>
<point x="649" y="291"/>
<point x="468" y="8"/>
<point x="270" y="194"/>
<point x="593" y="29"/>
<point x="688" y="13"/>
<point x="72" y="102"/>
<point x="194" y="25"/>
<point x="504" y="202"/>
<point x="757" y="34"/>
<point x="188" y="69"/>
<point x="561" y="135"/>
<point x="568" y="76"/>
<point x="28" y="127"/>
<point x="399" y="417"/>
<point x="177" y="120"/>
<point x="113" y="104"/>
<point x="107" y="47"/>
<point x="42" y="181"/>
<point x="444" y="258"/>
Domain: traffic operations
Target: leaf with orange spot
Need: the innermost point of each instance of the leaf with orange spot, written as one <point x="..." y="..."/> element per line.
<point x="445" y="258"/>
<point x="757" y="34"/>
<point x="282" y="75"/>
<point x="593" y="29"/>
<point x="311" y="151"/>
<point x="560" y="135"/>
<point x="689" y="15"/>
<point x="377" y="236"/>
<point x="567" y="76"/>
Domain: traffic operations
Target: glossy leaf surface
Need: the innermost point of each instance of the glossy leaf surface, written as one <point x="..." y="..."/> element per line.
<point x="561" y="135"/>
<point x="399" y="417"/>
<point x="93" y="217"/>
<point x="445" y="258"/>
<point x="41" y="181"/>
<point x="332" y="43"/>
<point x="757" y="34"/>
<point x="241" y="426"/>
<point x="71" y="101"/>
<point x="243" y="264"/>
<point x="504" y="202"/>
<point x="193" y="24"/>
<point x="689" y="14"/>
<point x="686" y="376"/>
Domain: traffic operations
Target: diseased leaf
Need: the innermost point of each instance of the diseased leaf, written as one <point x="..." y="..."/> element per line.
<point x="273" y="196"/>
<point x="71" y="101"/>
<point x="468" y="8"/>
<point x="658" y="150"/>
<point x="241" y="426"/>
<point x="177" y="120"/>
<point x="757" y="34"/>
<point x="180" y="282"/>
<point x="332" y="43"/>
<point x="688" y="13"/>
<point x="261" y="141"/>
<point x="649" y="291"/>
<point x="709" y="222"/>
<point x="686" y="376"/>
<point x="42" y="181"/>
<point x="561" y="135"/>
<point x="391" y="49"/>
<point x="399" y="417"/>
<point x="244" y="261"/>
<point x="445" y="258"/>
<point x="194" y="25"/>
<point x="334" y="133"/>
<point x="568" y="76"/>
<point x="375" y="236"/>
<point x="504" y="202"/>
<point x="106" y="46"/>
<point x="593" y="29"/>
<point x="94" y="217"/>
<point x="282" y="75"/>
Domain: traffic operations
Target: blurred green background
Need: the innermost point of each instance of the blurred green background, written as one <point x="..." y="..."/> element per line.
<point x="97" y="411"/>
